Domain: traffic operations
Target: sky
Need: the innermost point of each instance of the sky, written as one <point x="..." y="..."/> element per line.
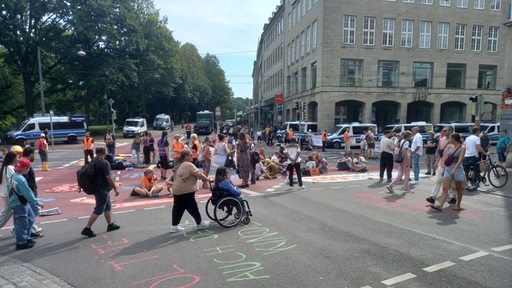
<point x="229" y="29"/>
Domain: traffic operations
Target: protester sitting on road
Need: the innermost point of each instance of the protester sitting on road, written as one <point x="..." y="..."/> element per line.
<point x="147" y="187"/>
<point x="272" y="169"/>
<point x="311" y="163"/>
<point x="359" y="164"/>
<point x="261" y="170"/>
<point x="321" y="163"/>
<point x="344" y="163"/>
<point x="280" y="165"/>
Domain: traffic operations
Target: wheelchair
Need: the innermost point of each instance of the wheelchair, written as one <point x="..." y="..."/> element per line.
<point x="228" y="211"/>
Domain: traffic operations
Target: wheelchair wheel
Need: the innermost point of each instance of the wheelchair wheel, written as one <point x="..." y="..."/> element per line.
<point x="228" y="212"/>
<point x="498" y="176"/>
<point x="210" y="208"/>
<point x="246" y="220"/>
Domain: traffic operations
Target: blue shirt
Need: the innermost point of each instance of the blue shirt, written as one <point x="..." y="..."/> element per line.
<point x="502" y="143"/>
<point x="228" y="187"/>
<point x="21" y="187"/>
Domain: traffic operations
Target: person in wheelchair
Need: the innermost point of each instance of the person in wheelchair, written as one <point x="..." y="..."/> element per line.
<point x="224" y="185"/>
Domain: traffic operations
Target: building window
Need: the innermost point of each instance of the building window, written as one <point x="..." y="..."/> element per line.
<point x="388" y="30"/>
<point x="308" y="39"/>
<point x="302" y="46"/>
<point x="303" y="79"/>
<point x="295" y="82"/>
<point x="313" y="75"/>
<point x="496" y="5"/>
<point x="425" y="32"/>
<point x="313" y="27"/>
<point x="293" y="51"/>
<point x="429" y="2"/>
<point x="369" y="30"/>
<point x="479" y="4"/>
<point x="388" y="73"/>
<point x="456" y="76"/>
<point x="487" y="76"/>
<point x="351" y="72"/>
<point x="349" y="29"/>
<point x="442" y="35"/>
<point x="297" y="49"/>
<point x="444" y="2"/>
<point x="408" y="1"/>
<point x="476" y="38"/>
<point x="460" y="36"/>
<point x="462" y="3"/>
<point x="407" y="28"/>
<point x="422" y="74"/>
<point x="492" y="41"/>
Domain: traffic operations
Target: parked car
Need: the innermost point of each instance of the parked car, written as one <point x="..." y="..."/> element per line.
<point x="356" y="129"/>
<point x="134" y="126"/>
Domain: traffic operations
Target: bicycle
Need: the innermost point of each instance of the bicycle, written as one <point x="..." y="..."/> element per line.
<point x="496" y="174"/>
<point x="227" y="211"/>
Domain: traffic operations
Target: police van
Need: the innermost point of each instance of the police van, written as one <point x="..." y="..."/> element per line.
<point x="298" y="129"/>
<point x="68" y="129"/>
<point x="355" y="129"/>
<point x="493" y="130"/>
<point x="423" y="126"/>
<point x="462" y="128"/>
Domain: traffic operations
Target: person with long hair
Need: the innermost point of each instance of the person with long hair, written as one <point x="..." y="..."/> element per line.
<point x="221" y="150"/>
<point x="184" y="190"/>
<point x="10" y="160"/>
<point x="222" y="181"/>
<point x="243" y="159"/>
<point x="453" y="172"/>
<point x="404" y="168"/>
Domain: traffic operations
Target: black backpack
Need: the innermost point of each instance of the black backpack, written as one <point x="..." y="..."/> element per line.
<point x="85" y="179"/>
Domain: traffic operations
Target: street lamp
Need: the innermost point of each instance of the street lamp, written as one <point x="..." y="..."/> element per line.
<point x="80" y="53"/>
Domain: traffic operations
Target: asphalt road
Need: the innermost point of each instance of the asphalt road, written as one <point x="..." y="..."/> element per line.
<point x="342" y="231"/>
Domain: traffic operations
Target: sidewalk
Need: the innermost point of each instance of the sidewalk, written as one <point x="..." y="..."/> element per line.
<point x="14" y="273"/>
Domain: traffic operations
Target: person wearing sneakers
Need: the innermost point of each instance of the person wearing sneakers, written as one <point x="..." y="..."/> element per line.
<point x="20" y="195"/>
<point x="42" y="147"/>
<point x="404" y="168"/>
<point x="416" y="153"/>
<point x="293" y="154"/>
<point x="184" y="190"/>
<point x="28" y="153"/>
<point x="104" y="183"/>
<point x="444" y="145"/>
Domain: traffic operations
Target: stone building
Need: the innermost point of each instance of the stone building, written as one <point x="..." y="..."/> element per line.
<point x="384" y="61"/>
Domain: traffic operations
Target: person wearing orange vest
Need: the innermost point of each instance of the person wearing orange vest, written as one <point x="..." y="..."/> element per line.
<point x="147" y="187"/>
<point x="177" y="147"/>
<point x="42" y="147"/>
<point x="324" y="140"/>
<point x="194" y="148"/>
<point x="289" y="136"/>
<point x="88" y="147"/>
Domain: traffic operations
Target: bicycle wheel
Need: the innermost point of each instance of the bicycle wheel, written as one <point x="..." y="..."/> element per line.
<point x="497" y="176"/>
<point x="228" y="212"/>
<point x="210" y="209"/>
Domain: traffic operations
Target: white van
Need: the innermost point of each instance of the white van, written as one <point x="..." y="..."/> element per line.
<point x="399" y="128"/>
<point x="162" y="122"/>
<point x="134" y="126"/>
<point x="356" y="129"/>
<point x="297" y="130"/>
<point x="463" y="128"/>
<point x="68" y="129"/>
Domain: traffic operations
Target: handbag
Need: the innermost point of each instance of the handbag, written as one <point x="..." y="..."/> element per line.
<point x="399" y="157"/>
<point x="449" y="160"/>
<point x="22" y="198"/>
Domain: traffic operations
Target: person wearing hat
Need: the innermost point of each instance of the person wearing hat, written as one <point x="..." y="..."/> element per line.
<point x="503" y="147"/>
<point x="42" y="147"/>
<point x="177" y="147"/>
<point x="20" y="196"/>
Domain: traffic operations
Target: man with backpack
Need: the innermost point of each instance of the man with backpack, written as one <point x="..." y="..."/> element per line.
<point x="103" y="184"/>
<point x="110" y="142"/>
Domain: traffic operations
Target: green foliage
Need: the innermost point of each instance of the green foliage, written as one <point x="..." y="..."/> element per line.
<point x="131" y="57"/>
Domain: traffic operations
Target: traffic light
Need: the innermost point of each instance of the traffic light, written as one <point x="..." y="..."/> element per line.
<point x="297" y="105"/>
<point x="302" y="106"/>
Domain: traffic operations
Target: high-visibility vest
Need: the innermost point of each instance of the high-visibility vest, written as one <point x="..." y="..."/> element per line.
<point x="148" y="183"/>
<point x="88" y="144"/>
<point x="195" y="152"/>
<point x="324" y="136"/>
<point x="177" y="147"/>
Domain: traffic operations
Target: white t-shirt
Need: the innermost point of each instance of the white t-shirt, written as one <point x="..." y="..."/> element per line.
<point x="258" y="169"/>
<point x="359" y="162"/>
<point x="404" y="144"/>
<point x="9" y="170"/>
<point x="417" y="141"/>
<point x="292" y="150"/>
<point x="310" y="164"/>
<point x="471" y="142"/>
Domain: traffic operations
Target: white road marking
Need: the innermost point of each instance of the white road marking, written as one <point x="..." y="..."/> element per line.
<point x="83" y="217"/>
<point x="367" y="287"/>
<point x="398" y="279"/>
<point x="439" y="266"/>
<point x="502" y="248"/>
<point x="250" y="192"/>
<point x="125" y="211"/>
<point x="157" y="207"/>
<point x="474" y="256"/>
<point x="70" y="163"/>
<point x="39" y="178"/>
<point x="54" y="221"/>
<point x="316" y="189"/>
<point x="270" y="190"/>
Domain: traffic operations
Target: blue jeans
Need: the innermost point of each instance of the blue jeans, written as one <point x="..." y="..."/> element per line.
<point x="416" y="166"/>
<point x="23" y="221"/>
